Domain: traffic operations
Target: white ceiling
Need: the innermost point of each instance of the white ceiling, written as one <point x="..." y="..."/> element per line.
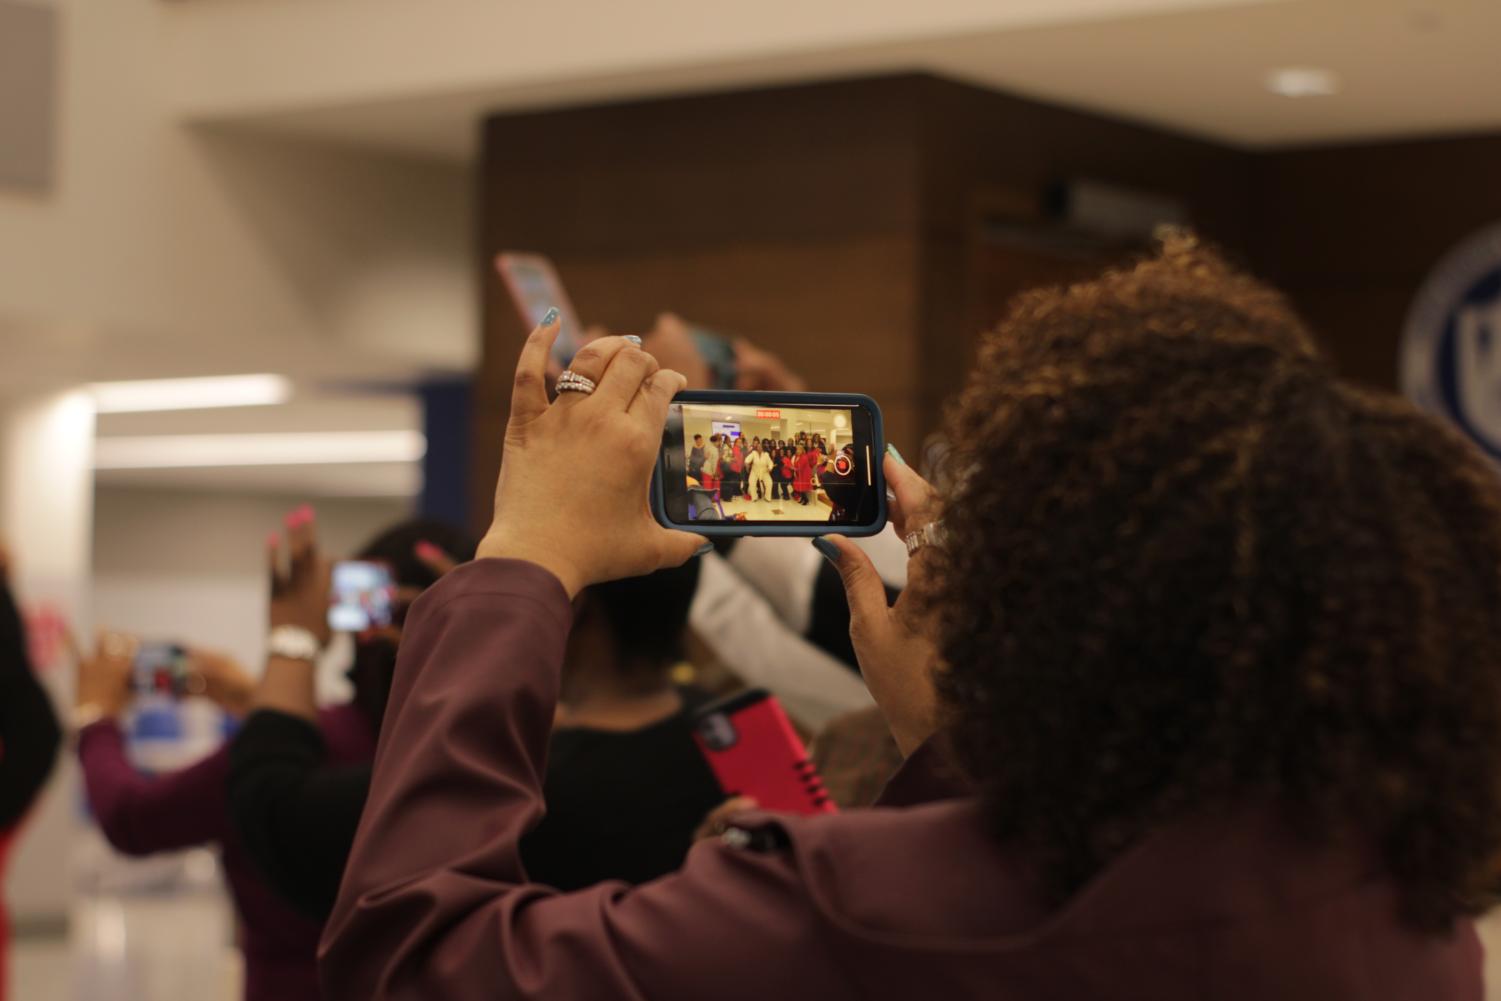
<point x="1408" y="67"/>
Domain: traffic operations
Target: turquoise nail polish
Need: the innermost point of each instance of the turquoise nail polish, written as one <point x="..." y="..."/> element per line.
<point x="891" y="451"/>
<point x="633" y="339"/>
<point x="827" y="548"/>
<point x="550" y="317"/>
<point x="705" y="549"/>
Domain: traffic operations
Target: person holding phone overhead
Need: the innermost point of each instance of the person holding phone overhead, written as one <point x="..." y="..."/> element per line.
<point x="1179" y="772"/>
<point x="142" y="814"/>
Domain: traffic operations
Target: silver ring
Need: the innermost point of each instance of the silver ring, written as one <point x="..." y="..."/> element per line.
<point x="571" y="382"/>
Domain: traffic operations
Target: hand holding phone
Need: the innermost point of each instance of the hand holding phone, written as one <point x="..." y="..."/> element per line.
<point x="160" y="669"/>
<point x="801" y="464"/>
<point x="753" y="750"/>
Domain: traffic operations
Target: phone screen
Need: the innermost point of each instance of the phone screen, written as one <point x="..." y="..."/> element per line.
<point x="160" y="668"/>
<point x="363" y="596"/>
<point x="799" y="464"/>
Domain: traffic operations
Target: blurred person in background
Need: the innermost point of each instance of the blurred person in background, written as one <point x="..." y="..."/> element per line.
<point x="141" y="814"/>
<point x="29" y="738"/>
<point x="1197" y="703"/>
<point x="284" y="750"/>
<point x="626" y="784"/>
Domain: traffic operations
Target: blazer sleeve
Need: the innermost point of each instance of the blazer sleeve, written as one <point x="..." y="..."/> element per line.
<point x="295" y="814"/>
<point x="141" y="814"/>
<point x="435" y="902"/>
<point x="29" y="731"/>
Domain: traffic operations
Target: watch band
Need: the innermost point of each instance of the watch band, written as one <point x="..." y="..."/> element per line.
<point x="293" y="643"/>
<point x="930" y="534"/>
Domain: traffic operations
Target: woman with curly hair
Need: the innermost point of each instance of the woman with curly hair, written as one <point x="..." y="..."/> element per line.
<point x="1200" y="699"/>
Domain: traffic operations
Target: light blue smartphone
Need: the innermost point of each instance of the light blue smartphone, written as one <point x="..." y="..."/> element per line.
<point x="535" y="288"/>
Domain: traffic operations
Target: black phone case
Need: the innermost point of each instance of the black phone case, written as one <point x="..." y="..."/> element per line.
<point x="743" y="529"/>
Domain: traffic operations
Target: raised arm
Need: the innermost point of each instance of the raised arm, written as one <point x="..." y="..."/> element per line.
<point x="139" y="814"/>
<point x="435" y="901"/>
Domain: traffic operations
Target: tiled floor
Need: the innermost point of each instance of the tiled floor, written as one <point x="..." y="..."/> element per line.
<point x="778" y="510"/>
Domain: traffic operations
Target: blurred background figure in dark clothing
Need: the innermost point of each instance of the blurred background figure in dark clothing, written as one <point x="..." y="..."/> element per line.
<point x="29" y="735"/>
<point x="626" y="785"/>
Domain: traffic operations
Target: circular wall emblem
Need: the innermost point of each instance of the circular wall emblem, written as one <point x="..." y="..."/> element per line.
<point x="1451" y="348"/>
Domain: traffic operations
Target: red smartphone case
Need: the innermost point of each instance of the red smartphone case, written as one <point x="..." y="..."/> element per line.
<point x="753" y="750"/>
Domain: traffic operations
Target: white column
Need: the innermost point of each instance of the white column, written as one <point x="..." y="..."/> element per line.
<point x="46" y="519"/>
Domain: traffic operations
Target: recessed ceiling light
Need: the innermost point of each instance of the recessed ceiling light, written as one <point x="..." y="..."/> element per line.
<point x="190" y="394"/>
<point x="1302" y="81"/>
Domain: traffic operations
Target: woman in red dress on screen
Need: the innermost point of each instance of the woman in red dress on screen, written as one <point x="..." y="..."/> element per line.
<point x="802" y="474"/>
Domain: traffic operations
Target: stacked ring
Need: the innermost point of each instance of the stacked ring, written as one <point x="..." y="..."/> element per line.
<point x="571" y="382"/>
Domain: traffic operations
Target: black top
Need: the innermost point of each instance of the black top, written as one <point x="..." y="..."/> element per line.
<point x="619" y="805"/>
<point x="29" y="733"/>
<point x="295" y="813"/>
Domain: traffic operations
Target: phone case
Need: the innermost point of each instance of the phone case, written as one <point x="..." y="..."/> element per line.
<point x="753" y="751"/>
<point x="808" y="530"/>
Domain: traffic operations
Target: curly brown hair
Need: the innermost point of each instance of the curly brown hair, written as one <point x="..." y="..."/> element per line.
<point x="1189" y="568"/>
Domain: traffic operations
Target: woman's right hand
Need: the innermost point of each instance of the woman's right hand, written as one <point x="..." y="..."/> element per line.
<point x="104" y="674"/>
<point x="895" y="645"/>
<point x="575" y="476"/>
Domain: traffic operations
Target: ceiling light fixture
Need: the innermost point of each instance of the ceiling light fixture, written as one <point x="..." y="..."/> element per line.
<point x="291" y="449"/>
<point x="144" y="395"/>
<point x="1302" y="81"/>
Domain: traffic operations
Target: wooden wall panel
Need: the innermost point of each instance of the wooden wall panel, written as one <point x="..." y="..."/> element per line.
<point x="1351" y="232"/>
<point x="843" y="225"/>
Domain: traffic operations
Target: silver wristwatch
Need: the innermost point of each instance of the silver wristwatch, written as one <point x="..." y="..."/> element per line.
<point x="293" y="643"/>
<point x="931" y="534"/>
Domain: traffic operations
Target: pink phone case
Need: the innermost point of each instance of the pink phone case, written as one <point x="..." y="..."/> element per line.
<point x="754" y="751"/>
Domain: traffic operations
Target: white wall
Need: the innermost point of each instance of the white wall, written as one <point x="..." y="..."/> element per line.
<point x="165" y="250"/>
<point x="179" y="565"/>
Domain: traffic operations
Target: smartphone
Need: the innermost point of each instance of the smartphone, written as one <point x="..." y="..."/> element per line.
<point x="819" y="470"/>
<point x="160" y="668"/>
<point x="363" y="596"/>
<point x="535" y="288"/>
<point x="753" y="750"/>
<point x="718" y="354"/>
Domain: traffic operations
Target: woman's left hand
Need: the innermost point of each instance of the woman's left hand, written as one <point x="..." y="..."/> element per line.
<point x="575" y="476"/>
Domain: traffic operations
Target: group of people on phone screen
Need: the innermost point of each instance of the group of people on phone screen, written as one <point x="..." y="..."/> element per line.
<point x="767" y="469"/>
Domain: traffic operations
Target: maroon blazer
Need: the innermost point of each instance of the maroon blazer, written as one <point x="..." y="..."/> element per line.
<point x="908" y="900"/>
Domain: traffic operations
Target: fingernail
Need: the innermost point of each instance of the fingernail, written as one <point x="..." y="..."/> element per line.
<point x="890" y="497"/>
<point x="273" y="540"/>
<point x="426" y="550"/>
<point x="307" y="512"/>
<point x="633" y="339"/>
<point x="705" y="549"/>
<point x="550" y="317"/>
<point x="827" y="548"/>
<point x="891" y="451"/>
<point x="293" y="518"/>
